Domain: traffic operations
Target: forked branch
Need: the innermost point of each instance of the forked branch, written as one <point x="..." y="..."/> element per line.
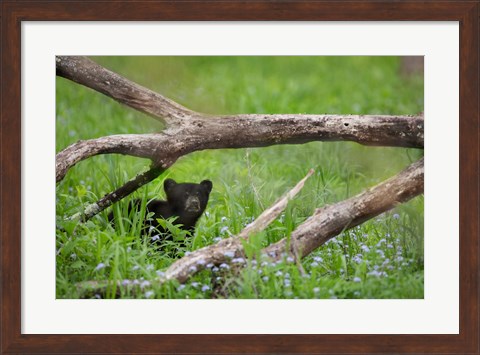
<point x="188" y="131"/>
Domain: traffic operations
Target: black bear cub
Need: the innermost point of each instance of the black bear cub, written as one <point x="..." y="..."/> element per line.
<point x="187" y="201"/>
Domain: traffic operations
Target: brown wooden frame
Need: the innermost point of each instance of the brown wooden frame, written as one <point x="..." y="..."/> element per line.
<point x="14" y="12"/>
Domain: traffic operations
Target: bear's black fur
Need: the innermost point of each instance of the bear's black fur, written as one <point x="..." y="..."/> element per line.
<point x="187" y="201"/>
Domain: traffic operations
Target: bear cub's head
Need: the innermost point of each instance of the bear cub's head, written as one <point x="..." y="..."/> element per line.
<point x="187" y="198"/>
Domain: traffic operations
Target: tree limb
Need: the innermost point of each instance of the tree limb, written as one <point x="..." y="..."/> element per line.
<point x="112" y="197"/>
<point x="329" y="221"/>
<point x="242" y="131"/>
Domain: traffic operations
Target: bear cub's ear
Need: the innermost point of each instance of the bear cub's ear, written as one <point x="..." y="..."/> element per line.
<point x="168" y="184"/>
<point x="207" y="184"/>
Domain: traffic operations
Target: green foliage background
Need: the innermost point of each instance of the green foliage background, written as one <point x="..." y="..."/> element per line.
<point x="383" y="258"/>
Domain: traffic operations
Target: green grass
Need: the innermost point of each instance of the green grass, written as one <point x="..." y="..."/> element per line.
<point x="382" y="258"/>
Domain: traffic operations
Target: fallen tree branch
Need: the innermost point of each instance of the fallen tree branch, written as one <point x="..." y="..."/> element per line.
<point x="188" y="131"/>
<point x="329" y="221"/>
<point x="244" y="131"/>
<point x="326" y="223"/>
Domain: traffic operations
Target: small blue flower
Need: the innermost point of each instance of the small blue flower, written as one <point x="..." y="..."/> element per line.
<point x="396" y="216"/>
<point x="381" y="241"/>
<point x="145" y="284"/>
<point x="316" y="290"/>
<point x="205" y="288"/>
<point x="357" y="279"/>
<point x="224" y="266"/>
<point x="195" y="284"/>
<point x="215" y="269"/>
<point x="149" y="294"/>
<point x="135" y="267"/>
<point x="73" y="256"/>
<point x="290" y="259"/>
<point x="209" y="265"/>
<point x="160" y="273"/>
<point x="265" y="278"/>
<point x="155" y="237"/>
<point x="99" y="266"/>
<point x="224" y="230"/>
<point x="357" y="258"/>
<point x="187" y="253"/>
<point x="377" y="273"/>
<point x="181" y="287"/>
<point x="192" y="269"/>
<point x="279" y="273"/>
<point x="223" y="219"/>
<point x="238" y="260"/>
<point x="365" y="248"/>
<point x="126" y="282"/>
<point x="314" y="264"/>
<point x="149" y="267"/>
<point x="318" y="259"/>
<point x="201" y="262"/>
<point x="217" y="239"/>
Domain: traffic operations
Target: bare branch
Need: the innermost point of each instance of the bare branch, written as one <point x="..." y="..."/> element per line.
<point x="269" y="215"/>
<point x="112" y="197"/>
<point x="329" y="221"/>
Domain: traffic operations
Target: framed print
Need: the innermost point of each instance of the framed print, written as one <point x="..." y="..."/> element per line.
<point x="207" y="46"/>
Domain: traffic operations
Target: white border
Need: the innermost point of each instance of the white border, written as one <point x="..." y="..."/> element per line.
<point x="437" y="313"/>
